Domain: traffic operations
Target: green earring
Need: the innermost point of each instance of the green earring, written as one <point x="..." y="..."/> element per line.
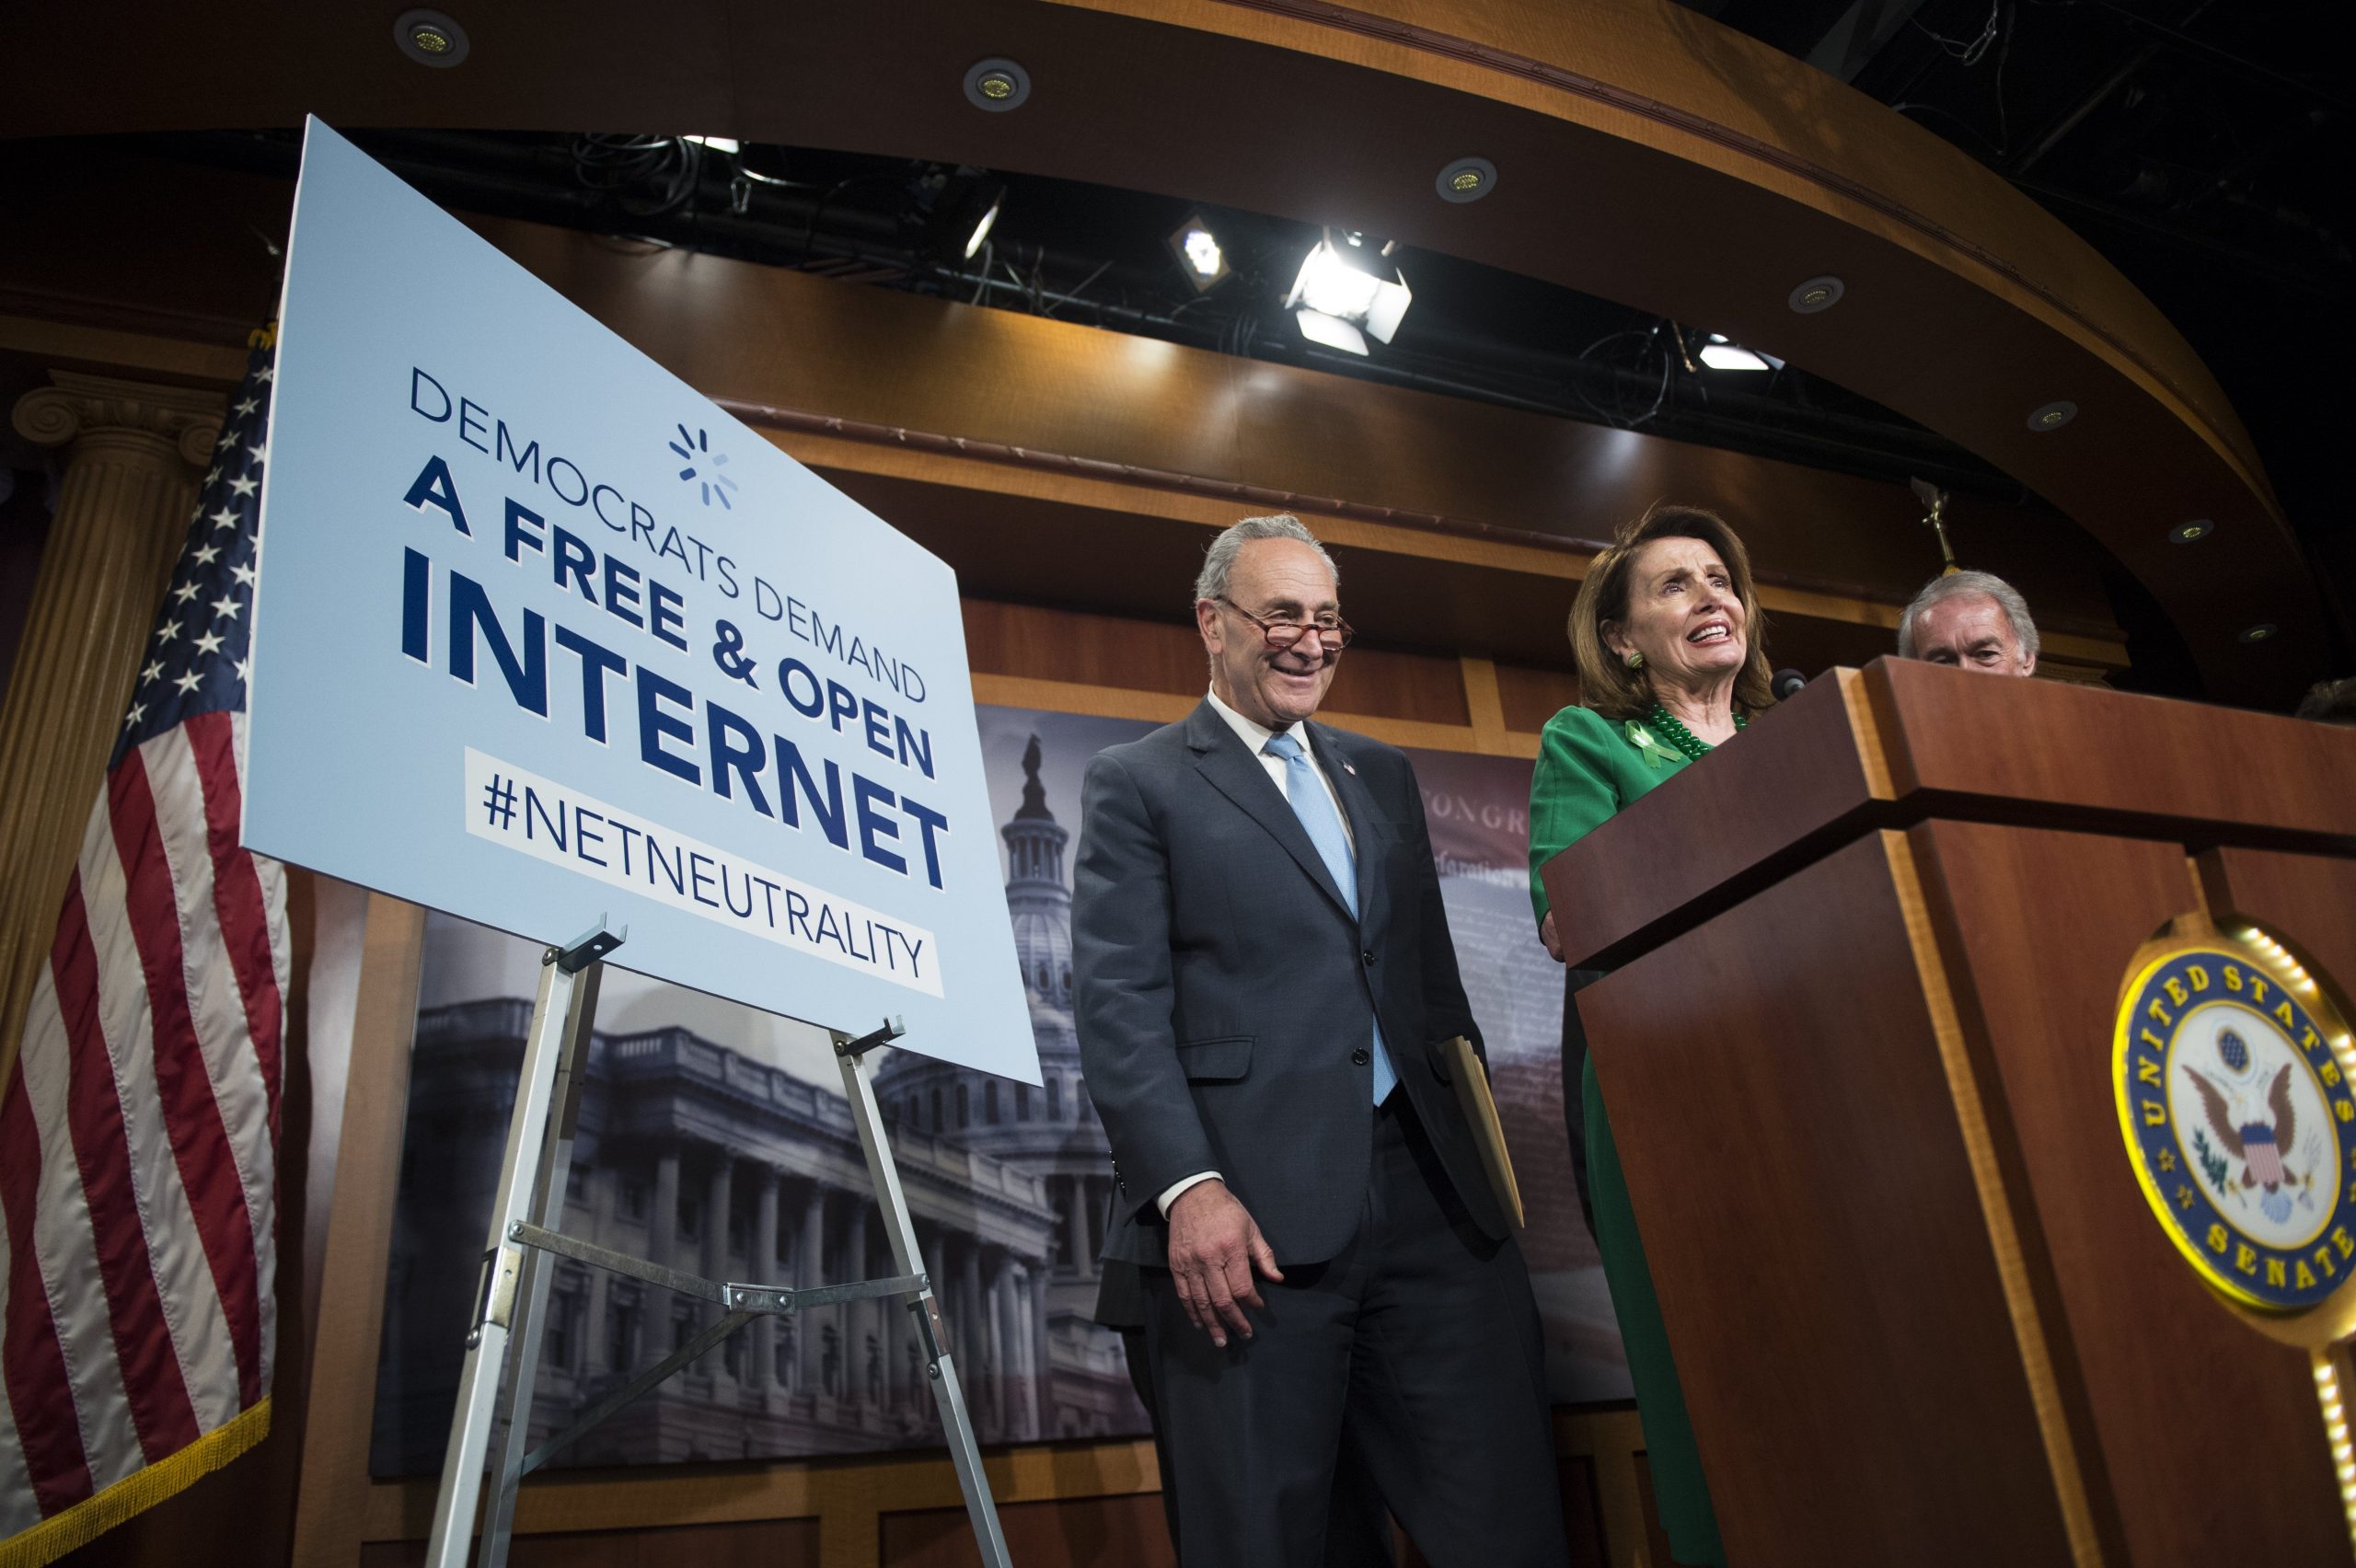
<point x="1635" y="660"/>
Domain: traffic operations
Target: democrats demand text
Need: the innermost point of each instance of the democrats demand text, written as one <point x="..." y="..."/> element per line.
<point x="697" y="741"/>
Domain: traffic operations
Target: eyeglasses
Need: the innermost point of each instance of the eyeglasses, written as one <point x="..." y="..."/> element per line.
<point x="1332" y="631"/>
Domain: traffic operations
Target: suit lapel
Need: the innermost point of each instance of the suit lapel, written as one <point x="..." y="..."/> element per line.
<point x="1231" y="769"/>
<point x="1358" y="802"/>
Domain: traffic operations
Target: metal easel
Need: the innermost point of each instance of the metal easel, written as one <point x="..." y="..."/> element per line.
<point x="493" y="1413"/>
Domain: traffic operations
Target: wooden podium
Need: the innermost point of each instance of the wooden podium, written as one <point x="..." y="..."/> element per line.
<point x="1857" y="1046"/>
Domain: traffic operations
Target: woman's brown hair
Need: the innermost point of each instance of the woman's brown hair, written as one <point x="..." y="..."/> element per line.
<point x="1606" y="684"/>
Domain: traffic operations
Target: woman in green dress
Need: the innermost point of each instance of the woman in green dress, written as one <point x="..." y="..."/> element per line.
<point x="1667" y="635"/>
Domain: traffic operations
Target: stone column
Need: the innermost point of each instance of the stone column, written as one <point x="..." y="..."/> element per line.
<point x="969" y="1307"/>
<point x="809" y="1259"/>
<point x="896" y="1329"/>
<point x="663" y="1225"/>
<point x="133" y="451"/>
<point x="763" y="1267"/>
<point x="719" y="1190"/>
<point x="603" y="1185"/>
<point x="851" y="1315"/>
<point x="1083" y="1229"/>
<point x="1013" y="1408"/>
<point x="1042" y="1374"/>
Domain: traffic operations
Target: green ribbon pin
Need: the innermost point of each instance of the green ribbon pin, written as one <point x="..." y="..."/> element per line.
<point x="1656" y="751"/>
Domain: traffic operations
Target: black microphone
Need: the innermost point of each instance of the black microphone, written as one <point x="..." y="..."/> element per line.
<point x="1786" y="685"/>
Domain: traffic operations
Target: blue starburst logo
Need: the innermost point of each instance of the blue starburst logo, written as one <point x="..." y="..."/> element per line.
<point x="704" y="467"/>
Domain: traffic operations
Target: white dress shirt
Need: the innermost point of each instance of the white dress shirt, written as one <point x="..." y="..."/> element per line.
<point x="1255" y="738"/>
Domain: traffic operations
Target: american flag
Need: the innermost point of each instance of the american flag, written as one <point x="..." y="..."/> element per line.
<point x="139" y="1127"/>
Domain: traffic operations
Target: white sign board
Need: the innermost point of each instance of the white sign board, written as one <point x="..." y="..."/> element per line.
<point x="541" y="633"/>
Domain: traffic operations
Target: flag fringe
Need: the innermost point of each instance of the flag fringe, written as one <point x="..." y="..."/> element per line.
<point x="94" y="1515"/>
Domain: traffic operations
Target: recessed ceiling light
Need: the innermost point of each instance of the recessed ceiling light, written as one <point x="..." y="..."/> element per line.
<point x="429" y="38"/>
<point x="1467" y="179"/>
<point x="2052" y="416"/>
<point x="2257" y="633"/>
<point x="1818" y="294"/>
<point x="2199" y="528"/>
<point x="997" y="85"/>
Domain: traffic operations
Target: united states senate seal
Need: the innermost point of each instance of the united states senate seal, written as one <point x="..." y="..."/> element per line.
<point x="2231" y="1069"/>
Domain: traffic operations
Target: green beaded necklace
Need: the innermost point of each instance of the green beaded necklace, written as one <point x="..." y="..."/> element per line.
<point x="1684" y="739"/>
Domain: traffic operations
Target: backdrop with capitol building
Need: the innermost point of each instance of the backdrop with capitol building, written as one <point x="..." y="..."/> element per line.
<point x="711" y="1141"/>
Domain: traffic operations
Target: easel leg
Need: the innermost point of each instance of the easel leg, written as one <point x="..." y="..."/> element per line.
<point x="502" y="1267"/>
<point x="955" y="1424"/>
<point x="556" y="1166"/>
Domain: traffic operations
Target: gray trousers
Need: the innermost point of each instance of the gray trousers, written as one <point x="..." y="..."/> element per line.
<point x="1419" y="1342"/>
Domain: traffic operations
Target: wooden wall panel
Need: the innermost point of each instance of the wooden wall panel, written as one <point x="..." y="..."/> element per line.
<point x="1090" y="1532"/>
<point x="1167" y="657"/>
<point x="1533" y="697"/>
<point x="1088" y="650"/>
<point x="754" y="1543"/>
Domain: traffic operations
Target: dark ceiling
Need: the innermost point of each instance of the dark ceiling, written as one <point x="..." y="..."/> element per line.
<point x="2202" y="148"/>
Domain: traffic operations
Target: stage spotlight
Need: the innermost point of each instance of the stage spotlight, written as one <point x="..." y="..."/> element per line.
<point x="1200" y="255"/>
<point x="964" y="210"/>
<point x="1340" y="284"/>
<point x="1719" y="354"/>
<point x="1329" y="330"/>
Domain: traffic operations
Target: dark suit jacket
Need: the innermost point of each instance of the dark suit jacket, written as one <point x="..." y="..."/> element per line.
<point x="1226" y="997"/>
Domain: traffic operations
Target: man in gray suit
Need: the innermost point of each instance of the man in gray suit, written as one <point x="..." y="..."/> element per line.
<point x="1266" y="983"/>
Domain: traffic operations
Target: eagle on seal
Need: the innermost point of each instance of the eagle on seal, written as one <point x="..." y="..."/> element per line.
<point x="2258" y="1145"/>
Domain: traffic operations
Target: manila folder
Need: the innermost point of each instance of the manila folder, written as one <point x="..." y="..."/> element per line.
<point x="1481" y="1111"/>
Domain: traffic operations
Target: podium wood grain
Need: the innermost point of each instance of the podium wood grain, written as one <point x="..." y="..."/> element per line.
<point x="1814" y="1229"/>
<point x="1858" y="1057"/>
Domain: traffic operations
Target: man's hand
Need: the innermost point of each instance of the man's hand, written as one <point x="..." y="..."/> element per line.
<point x="1214" y="1247"/>
<point x="1546" y="934"/>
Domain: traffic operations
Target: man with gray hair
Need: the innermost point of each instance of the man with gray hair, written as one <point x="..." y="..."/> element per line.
<point x="1973" y="621"/>
<point x="1265" y="988"/>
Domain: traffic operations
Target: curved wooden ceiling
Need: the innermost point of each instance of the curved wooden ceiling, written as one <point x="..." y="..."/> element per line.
<point x="1646" y="154"/>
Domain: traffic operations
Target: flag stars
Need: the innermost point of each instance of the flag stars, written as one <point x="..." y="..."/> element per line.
<point x="224" y="518"/>
<point x="228" y="439"/>
<point x="225" y="605"/>
<point x="153" y="673"/>
<point x="208" y="554"/>
<point x="243" y="573"/>
<point x="167" y="632"/>
<point x="244" y="487"/>
<point x="209" y="643"/>
<point x="261" y="449"/>
<point x="138" y="712"/>
<point x="247" y="407"/>
<point x="185" y="592"/>
<point x="241" y="668"/>
<point x="187" y="683"/>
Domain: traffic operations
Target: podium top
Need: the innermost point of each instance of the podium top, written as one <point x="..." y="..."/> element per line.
<point x="1902" y="741"/>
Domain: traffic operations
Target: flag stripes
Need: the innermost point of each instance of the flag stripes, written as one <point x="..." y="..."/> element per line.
<point x="139" y="1127"/>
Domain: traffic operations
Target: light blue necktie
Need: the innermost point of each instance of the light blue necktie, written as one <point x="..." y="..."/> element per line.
<point x="1318" y="818"/>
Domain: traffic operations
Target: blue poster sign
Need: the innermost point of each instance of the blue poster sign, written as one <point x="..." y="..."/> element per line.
<point x="542" y="632"/>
